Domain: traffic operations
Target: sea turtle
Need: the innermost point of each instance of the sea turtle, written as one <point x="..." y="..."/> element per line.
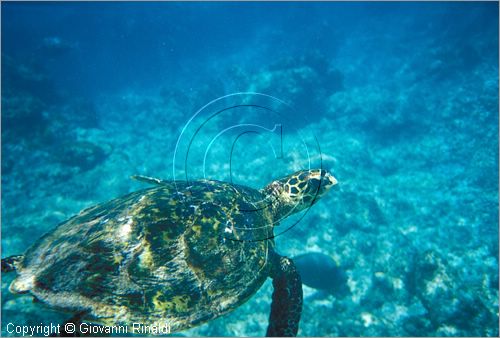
<point x="179" y="253"/>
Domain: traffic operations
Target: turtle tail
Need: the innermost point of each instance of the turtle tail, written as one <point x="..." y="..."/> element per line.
<point x="11" y="263"/>
<point x="286" y="306"/>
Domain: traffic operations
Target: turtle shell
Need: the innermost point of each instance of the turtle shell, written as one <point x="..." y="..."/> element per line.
<point x="176" y="253"/>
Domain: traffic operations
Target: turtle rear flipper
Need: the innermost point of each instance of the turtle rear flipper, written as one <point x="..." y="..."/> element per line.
<point x="287" y="298"/>
<point x="11" y="263"/>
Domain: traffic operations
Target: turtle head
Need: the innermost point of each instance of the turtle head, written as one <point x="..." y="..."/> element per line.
<point x="298" y="191"/>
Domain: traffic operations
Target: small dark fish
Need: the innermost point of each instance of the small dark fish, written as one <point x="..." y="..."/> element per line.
<point x="319" y="271"/>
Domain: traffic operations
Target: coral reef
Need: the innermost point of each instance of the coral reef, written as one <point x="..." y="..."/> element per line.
<point x="405" y="109"/>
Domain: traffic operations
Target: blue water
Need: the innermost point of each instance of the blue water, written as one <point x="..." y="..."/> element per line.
<point x="398" y="100"/>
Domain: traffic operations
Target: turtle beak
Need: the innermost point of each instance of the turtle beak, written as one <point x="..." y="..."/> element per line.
<point x="328" y="180"/>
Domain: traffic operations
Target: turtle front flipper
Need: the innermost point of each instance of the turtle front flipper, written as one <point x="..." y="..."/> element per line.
<point x="11" y="263"/>
<point x="286" y="306"/>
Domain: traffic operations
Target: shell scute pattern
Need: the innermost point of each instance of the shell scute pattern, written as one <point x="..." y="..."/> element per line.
<point x="144" y="257"/>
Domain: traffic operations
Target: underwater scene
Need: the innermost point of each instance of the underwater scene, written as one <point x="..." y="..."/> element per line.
<point x="308" y="168"/>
